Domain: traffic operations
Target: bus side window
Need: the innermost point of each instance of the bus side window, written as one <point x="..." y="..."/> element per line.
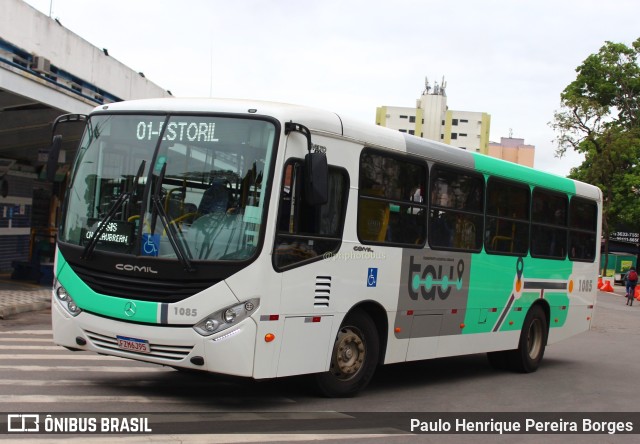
<point x="391" y="206"/>
<point x="548" y="224"/>
<point x="583" y="224"/>
<point x="308" y="232"/>
<point x="507" y="220"/>
<point x="456" y="209"/>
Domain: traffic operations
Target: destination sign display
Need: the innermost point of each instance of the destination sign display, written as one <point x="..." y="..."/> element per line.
<point x="116" y="232"/>
<point x="177" y="131"/>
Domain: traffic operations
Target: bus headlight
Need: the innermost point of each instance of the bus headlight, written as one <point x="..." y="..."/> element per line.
<point x="230" y="315"/>
<point x="227" y="317"/>
<point x="65" y="299"/>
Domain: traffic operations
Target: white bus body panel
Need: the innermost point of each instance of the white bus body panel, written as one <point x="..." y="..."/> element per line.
<point x="305" y="338"/>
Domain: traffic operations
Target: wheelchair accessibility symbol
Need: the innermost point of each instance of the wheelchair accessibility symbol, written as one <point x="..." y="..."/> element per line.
<point x="372" y="277"/>
<point x="150" y="244"/>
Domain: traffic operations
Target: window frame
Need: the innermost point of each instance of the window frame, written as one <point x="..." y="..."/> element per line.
<point x="340" y="232"/>
<point x="481" y="213"/>
<point x="537" y="224"/>
<point x="575" y="230"/>
<point x="406" y="158"/>
<point x="488" y="214"/>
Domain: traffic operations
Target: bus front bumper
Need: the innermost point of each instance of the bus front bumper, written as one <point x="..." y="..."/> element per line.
<point x="228" y="352"/>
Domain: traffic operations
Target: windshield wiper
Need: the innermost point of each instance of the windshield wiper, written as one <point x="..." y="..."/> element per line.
<point x="102" y="225"/>
<point x="169" y="228"/>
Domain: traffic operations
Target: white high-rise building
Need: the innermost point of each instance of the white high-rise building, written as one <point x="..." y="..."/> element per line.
<point x="431" y="119"/>
<point x="468" y="130"/>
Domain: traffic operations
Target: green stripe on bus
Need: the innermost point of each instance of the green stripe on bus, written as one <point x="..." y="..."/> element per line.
<point x="89" y="300"/>
<point x="510" y="170"/>
<point x="492" y="282"/>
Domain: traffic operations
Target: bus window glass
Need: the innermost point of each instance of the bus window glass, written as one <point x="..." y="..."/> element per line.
<point x="457" y="210"/>
<point x="583" y="214"/>
<point x="307" y="232"/>
<point x="549" y="224"/>
<point x="391" y="206"/>
<point x="190" y="183"/>
<point x="507" y="221"/>
<point x="583" y="221"/>
<point x="384" y="176"/>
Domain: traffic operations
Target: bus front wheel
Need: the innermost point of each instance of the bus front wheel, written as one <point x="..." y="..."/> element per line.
<point x="354" y="357"/>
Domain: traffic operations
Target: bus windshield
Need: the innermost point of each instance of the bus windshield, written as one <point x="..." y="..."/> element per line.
<point x="170" y="186"/>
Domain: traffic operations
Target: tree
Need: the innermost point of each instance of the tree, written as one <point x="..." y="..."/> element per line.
<point x="600" y="118"/>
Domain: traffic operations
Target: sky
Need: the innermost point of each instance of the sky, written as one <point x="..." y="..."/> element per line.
<point x="508" y="58"/>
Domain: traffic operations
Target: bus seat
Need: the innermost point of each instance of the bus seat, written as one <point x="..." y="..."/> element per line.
<point x="502" y="243"/>
<point x="216" y="199"/>
<point x="465" y="234"/>
<point x="373" y="220"/>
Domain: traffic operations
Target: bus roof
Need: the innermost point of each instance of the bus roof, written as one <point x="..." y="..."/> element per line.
<point x="327" y="122"/>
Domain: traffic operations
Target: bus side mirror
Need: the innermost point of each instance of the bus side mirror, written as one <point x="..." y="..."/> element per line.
<point x="54" y="154"/>
<point x="316" y="182"/>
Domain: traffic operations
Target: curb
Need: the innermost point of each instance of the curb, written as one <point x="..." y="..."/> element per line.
<point x="23" y="308"/>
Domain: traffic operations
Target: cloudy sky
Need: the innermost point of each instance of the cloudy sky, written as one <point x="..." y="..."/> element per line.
<point x="509" y="58"/>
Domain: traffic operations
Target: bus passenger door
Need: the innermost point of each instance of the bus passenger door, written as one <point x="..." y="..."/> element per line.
<point x="306" y="235"/>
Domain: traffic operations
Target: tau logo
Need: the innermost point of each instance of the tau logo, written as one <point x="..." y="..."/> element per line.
<point x="429" y="280"/>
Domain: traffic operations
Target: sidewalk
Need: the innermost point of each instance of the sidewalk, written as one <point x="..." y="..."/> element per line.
<point x="22" y="296"/>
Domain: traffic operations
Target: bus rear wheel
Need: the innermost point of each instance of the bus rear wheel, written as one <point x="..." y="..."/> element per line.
<point x="533" y="340"/>
<point x="354" y="357"/>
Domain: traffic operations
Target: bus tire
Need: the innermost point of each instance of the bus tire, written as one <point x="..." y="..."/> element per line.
<point x="354" y="357"/>
<point x="533" y="339"/>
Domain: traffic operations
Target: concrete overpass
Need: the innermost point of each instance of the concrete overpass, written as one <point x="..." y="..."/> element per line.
<point x="45" y="71"/>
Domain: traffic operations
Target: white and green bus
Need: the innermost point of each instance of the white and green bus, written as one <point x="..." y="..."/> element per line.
<point x="266" y="240"/>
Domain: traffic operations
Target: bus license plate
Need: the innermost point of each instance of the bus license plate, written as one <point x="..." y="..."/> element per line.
<point x="133" y="344"/>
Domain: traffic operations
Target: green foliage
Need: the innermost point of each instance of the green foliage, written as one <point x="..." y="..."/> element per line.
<point x="600" y="118"/>
<point x="610" y="80"/>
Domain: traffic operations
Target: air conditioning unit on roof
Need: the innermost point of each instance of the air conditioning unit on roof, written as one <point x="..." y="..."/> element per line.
<point x="41" y="65"/>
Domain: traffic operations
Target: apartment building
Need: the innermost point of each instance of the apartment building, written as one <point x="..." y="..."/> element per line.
<point x="513" y="150"/>
<point x="467" y="130"/>
<point x="431" y="119"/>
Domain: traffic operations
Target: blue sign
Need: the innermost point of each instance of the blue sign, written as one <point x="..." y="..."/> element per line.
<point x="150" y="244"/>
<point x="372" y="277"/>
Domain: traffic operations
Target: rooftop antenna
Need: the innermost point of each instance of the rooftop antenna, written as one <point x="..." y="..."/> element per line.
<point x="510" y="133"/>
<point x="427" y="88"/>
<point x="50" y="7"/>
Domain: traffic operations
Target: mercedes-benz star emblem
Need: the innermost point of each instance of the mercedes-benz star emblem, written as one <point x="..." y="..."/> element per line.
<point x="130" y="309"/>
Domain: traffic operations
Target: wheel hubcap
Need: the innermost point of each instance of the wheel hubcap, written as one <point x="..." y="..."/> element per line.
<point x="348" y="354"/>
<point x="534" y="340"/>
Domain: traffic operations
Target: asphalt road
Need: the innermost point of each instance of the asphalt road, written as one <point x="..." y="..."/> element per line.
<point x="592" y="372"/>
